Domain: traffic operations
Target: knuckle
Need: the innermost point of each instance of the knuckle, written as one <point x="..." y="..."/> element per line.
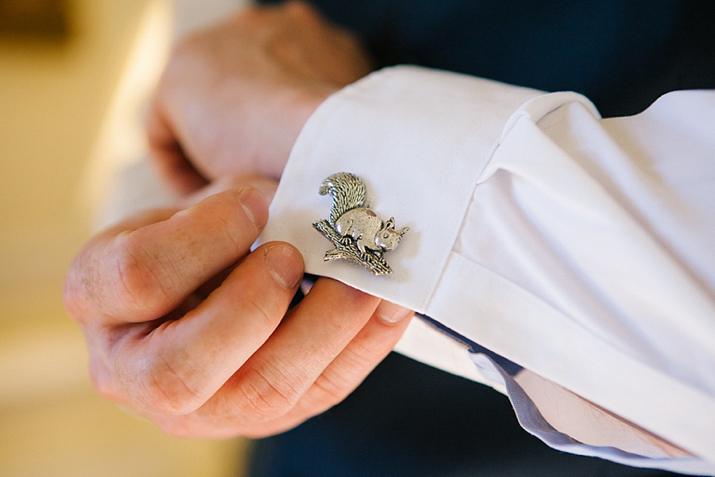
<point x="329" y="393"/>
<point x="364" y="354"/>
<point x="262" y="399"/>
<point x="137" y="284"/>
<point x="168" y="390"/>
<point x="337" y="382"/>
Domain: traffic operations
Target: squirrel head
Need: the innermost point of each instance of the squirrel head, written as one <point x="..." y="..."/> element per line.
<point x="388" y="238"/>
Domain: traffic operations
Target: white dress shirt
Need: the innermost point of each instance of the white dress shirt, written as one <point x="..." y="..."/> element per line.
<point x="573" y="257"/>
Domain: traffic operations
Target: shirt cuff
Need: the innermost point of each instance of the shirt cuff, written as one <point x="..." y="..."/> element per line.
<point x="382" y="129"/>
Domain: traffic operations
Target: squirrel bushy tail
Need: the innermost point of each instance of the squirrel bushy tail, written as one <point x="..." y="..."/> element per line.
<point x="348" y="192"/>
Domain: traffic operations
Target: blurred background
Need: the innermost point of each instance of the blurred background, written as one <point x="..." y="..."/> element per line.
<point x="73" y="77"/>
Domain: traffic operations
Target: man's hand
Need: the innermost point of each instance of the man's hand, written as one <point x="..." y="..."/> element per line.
<point x="188" y="328"/>
<point x="233" y="98"/>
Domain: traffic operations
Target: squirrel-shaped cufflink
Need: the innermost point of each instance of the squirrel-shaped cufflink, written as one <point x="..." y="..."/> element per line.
<point x="358" y="234"/>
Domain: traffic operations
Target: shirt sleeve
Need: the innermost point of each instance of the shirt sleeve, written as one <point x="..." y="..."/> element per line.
<point x="566" y="257"/>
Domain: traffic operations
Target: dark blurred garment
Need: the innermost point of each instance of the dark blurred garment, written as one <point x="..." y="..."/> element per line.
<point x="621" y="55"/>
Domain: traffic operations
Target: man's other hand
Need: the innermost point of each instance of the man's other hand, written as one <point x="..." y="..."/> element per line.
<point x="233" y="98"/>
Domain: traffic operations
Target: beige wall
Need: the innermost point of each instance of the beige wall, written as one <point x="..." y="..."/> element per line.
<point x="52" y="102"/>
<point x="56" y="106"/>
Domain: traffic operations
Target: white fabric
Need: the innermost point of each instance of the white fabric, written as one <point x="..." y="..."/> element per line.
<point x="578" y="248"/>
<point x="366" y="130"/>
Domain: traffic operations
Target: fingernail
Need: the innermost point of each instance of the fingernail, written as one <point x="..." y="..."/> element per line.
<point x="390" y="313"/>
<point x="255" y="206"/>
<point x="285" y="264"/>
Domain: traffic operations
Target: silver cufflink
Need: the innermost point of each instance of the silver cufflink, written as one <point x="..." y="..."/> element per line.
<point x="359" y="235"/>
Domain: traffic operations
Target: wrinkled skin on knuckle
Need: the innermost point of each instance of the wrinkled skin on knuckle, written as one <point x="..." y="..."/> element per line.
<point x="328" y="394"/>
<point x="166" y="389"/>
<point x="135" y="285"/>
<point x="261" y="400"/>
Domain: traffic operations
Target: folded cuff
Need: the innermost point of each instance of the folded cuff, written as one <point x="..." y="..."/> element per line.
<point x="419" y="139"/>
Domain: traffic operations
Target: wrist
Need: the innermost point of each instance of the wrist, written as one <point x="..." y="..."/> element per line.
<point x="295" y="108"/>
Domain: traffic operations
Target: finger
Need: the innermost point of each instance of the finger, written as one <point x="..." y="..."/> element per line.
<point x="179" y="365"/>
<point x="270" y="383"/>
<point x="374" y="341"/>
<point x="345" y="373"/>
<point x="142" y="274"/>
<point x="222" y="417"/>
<point x="169" y="158"/>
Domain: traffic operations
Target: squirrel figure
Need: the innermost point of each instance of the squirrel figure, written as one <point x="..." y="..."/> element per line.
<point x="353" y="221"/>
